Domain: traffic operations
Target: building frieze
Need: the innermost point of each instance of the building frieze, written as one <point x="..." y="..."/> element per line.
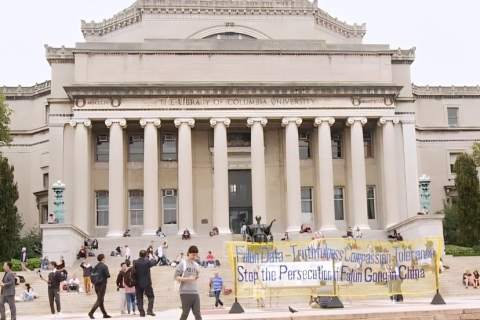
<point x="455" y="92"/>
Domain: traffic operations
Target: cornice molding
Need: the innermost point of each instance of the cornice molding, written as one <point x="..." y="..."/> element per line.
<point x="33" y="92"/>
<point x="59" y="55"/>
<point x="456" y="92"/>
<point x="135" y="14"/>
<point x="389" y="91"/>
<point x="400" y="56"/>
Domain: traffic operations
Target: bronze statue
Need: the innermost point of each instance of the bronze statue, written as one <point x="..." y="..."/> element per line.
<point x="260" y="233"/>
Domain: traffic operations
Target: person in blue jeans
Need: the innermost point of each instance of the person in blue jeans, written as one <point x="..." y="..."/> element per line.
<point x="216" y="285"/>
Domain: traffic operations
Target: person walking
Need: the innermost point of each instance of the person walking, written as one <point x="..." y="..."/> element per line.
<point x="127" y="253"/>
<point x="121" y="286"/>
<point x="23" y="259"/>
<point x="187" y="273"/>
<point x="87" y="271"/>
<point x="102" y="273"/>
<point x="129" y="290"/>
<point x="143" y="286"/>
<point x="54" y="282"/>
<point x="216" y="285"/>
<point x="8" y="292"/>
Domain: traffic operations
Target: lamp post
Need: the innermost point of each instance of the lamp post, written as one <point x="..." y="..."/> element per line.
<point x="424" y="183"/>
<point x="58" y="202"/>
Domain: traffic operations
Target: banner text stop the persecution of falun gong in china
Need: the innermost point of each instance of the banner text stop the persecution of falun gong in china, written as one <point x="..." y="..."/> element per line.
<point x="356" y="267"/>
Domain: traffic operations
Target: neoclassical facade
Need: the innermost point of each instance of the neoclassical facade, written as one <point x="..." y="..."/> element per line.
<point x="194" y="114"/>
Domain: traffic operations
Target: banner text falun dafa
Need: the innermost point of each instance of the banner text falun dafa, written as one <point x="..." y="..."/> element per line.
<point x="331" y="267"/>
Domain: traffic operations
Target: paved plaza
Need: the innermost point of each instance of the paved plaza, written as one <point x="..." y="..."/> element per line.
<point x="456" y="308"/>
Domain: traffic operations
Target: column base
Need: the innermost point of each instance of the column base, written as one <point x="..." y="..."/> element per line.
<point x="180" y="232"/>
<point x="114" y="234"/>
<point x="329" y="228"/>
<point x="149" y="232"/>
<point x="224" y="231"/>
<point x="293" y="229"/>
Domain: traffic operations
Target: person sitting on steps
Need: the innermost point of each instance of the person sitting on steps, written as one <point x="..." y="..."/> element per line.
<point x="394" y="236"/>
<point x="160" y="233"/>
<point x="305" y="229"/>
<point x="214" y="232"/>
<point x="186" y="235"/>
<point x="126" y="233"/>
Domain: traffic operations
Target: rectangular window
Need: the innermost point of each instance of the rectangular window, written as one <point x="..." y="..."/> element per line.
<point x="304" y="145"/>
<point x="338" y="197"/>
<point x="47" y="114"/>
<point x="368" y="144"/>
<point x="135" y="207"/>
<point x="102" y="148"/>
<point x="170" y="206"/>
<point x="453" y="159"/>
<point x="45" y="181"/>
<point x="307" y="205"/>
<point x="452" y="117"/>
<point x="136" y="148"/>
<point x="101" y="208"/>
<point x="371" y="202"/>
<point x="169" y="147"/>
<point x="336" y="145"/>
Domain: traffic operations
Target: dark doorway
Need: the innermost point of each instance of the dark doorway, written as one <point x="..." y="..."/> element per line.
<point x="240" y="198"/>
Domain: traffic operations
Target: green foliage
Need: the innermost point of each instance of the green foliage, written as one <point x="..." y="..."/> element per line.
<point x="458" y="251"/>
<point x="468" y="188"/>
<point x="32" y="241"/>
<point x="16" y="265"/>
<point x="10" y="221"/>
<point x="5" y="113"/>
<point x="476" y="153"/>
<point x="34" y="263"/>
<point x="450" y="224"/>
<point x="476" y="249"/>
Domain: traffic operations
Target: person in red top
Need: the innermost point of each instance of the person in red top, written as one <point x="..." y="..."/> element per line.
<point x="210" y="260"/>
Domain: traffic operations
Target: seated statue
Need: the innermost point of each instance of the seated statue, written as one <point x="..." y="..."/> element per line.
<point x="258" y="232"/>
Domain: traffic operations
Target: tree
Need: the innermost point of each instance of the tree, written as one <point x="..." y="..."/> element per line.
<point x="476" y="153"/>
<point x="468" y="188"/>
<point x="5" y="113"/>
<point x="10" y="221"/>
<point x="450" y="224"/>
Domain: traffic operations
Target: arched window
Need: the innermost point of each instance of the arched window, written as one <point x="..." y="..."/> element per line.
<point x="230" y="36"/>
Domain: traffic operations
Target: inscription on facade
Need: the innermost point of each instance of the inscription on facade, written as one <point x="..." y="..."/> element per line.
<point x="236" y="101"/>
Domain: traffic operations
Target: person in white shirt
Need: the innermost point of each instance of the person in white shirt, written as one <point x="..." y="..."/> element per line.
<point x="74" y="284"/>
<point x="127" y="253"/>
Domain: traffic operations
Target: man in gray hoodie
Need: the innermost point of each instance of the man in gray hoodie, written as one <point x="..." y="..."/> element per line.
<point x="8" y="292"/>
<point x="187" y="273"/>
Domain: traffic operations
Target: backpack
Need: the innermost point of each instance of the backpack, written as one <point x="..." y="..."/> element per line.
<point x="178" y="283"/>
<point x="95" y="277"/>
<point x="130" y="278"/>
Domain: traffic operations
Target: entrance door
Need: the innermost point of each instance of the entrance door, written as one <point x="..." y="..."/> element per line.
<point x="240" y="198"/>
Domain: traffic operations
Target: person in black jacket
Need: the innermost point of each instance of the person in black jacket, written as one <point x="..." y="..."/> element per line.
<point x="101" y="287"/>
<point x="54" y="282"/>
<point x="144" y="282"/>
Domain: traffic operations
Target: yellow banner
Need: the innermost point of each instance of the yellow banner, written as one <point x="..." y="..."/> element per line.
<point x="335" y="267"/>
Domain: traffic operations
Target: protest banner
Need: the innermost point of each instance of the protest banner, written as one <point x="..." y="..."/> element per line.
<point x="335" y="267"/>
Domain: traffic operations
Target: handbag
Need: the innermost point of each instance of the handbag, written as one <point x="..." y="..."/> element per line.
<point x="211" y="294"/>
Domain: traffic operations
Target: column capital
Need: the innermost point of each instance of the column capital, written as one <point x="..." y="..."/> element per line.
<point x="263" y="121"/>
<point x="318" y="121"/>
<point x="351" y="120"/>
<point x="384" y="120"/>
<point x="225" y="121"/>
<point x="122" y="122"/>
<point x="189" y="121"/>
<point x="285" y="121"/>
<point x="86" y="122"/>
<point x="156" y="122"/>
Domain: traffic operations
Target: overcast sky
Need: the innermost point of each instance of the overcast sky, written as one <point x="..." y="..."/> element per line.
<point x="443" y="31"/>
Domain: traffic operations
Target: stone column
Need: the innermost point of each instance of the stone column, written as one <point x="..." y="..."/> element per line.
<point x="259" y="194"/>
<point x="81" y="174"/>
<point x="292" y="169"/>
<point x="411" y="167"/>
<point x="390" y="171"/>
<point x="116" y="178"/>
<point x="185" y="174"/>
<point x="150" y="176"/>
<point x="359" y="180"/>
<point x="324" y="194"/>
<point x="220" y="178"/>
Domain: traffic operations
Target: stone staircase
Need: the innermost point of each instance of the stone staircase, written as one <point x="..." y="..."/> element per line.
<point x="162" y="277"/>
